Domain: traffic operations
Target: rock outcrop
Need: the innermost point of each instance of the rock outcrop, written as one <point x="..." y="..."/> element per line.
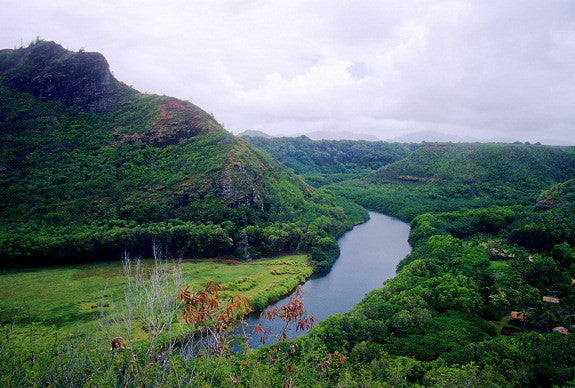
<point x="81" y="80"/>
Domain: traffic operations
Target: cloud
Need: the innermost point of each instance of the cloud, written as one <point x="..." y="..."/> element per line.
<point x="484" y="69"/>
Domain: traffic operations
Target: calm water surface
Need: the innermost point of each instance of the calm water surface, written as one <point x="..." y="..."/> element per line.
<point x="369" y="255"/>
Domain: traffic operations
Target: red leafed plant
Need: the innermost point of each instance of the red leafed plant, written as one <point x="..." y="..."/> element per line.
<point x="203" y="311"/>
<point x="292" y="312"/>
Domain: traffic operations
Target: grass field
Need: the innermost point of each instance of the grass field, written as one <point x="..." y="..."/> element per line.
<point x="69" y="297"/>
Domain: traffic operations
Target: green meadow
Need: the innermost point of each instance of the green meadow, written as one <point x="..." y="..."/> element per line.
<point x="69" y="297"/>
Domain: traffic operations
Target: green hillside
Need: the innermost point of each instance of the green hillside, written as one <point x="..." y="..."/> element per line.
<point x="447" y="177"/>
<point x="405" y="180"/>
<point x="311" y="157"/>
<point x="481" y="300"/>
<point x="520" y="165"/>
<point x="89" y="166"/>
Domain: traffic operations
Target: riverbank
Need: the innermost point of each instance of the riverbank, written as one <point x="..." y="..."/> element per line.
<point x="369" y="255"/>
<point x="70" y="297"/>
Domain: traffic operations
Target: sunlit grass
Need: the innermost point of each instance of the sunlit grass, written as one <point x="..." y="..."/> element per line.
<point x="69" y="297"/>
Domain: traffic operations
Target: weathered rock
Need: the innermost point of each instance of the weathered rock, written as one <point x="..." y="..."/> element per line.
<point x="81" y="80"/>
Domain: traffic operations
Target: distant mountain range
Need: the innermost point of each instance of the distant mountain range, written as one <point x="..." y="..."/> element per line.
<point x="432" y="136"/>
<point x="316" y="135"/>
<point x="413" y="137"/>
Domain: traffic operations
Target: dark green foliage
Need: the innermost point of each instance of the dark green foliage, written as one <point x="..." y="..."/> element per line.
<point x="78" y="184"/>
<point x="485" y="241"/>
<point x="464" y="269"/>
<point x="324" y="254"/>
<point x="309" y="157"/>
<point x="552" y="223"/>
<point x="475" y="165"/>
<point x="448" y="177"/>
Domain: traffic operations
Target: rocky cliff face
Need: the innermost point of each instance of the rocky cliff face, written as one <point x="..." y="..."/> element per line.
<point x="81" y="80"/>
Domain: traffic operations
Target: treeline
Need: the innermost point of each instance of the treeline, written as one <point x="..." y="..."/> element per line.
<point x="444" y="320"/>
<point x="177" y="238"/>
<point x="81" y="186"/>
<point x="312" y="157"/>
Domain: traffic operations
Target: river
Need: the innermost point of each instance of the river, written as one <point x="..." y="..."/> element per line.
<point x="369" y="255"/>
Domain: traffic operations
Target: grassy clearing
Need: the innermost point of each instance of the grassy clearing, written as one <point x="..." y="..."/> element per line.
<point x="69" y="297"/>
<point x="261" y="281"/>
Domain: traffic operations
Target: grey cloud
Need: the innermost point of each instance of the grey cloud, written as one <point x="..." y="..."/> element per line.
<point x="485" y="69"/>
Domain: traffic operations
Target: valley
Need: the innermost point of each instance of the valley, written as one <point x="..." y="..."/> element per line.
<point x="93" y="171"/>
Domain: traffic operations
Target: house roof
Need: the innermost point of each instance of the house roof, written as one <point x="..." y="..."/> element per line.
<point x="518" y="315"/>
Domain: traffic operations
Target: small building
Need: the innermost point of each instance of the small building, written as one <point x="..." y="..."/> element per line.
<point x="496" y="254"/>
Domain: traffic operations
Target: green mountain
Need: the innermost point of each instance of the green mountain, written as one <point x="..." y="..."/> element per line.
<point x="446" y="177"/>
<point x="309" y="157"/>
<point x="90" y="166"/>
<point x="478" y="164"/>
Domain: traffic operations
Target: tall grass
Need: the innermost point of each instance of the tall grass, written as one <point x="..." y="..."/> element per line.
<point x="59" y="324"/>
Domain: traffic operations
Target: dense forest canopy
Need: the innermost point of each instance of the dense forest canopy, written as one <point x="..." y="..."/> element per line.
<point x="493" y="236"/>
<point x="469" y="269"/>
<point x="309" y="157"/>
<point x="446" y="177"/>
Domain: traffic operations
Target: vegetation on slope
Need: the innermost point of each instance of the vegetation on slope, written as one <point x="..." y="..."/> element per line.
<point x="446" y="177"/>
<point x="79" y="182"/>
<point x="96" y="178"/>
<point x="308" y="157"/>
<point x="434" y="324"/>
<point x="468" y="268"/>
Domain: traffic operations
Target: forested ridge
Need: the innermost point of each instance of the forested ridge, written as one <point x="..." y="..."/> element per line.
<point x="445" y="177"/>
<point x="78" y="181"/>
<point x="308" y="157"/>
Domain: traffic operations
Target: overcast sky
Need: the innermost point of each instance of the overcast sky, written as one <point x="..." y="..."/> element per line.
<point x="486" y="69"/>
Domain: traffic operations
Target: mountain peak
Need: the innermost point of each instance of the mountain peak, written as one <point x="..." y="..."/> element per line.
<point x="49" y="72"/>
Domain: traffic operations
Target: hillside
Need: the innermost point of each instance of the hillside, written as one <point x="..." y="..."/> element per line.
<point x="484" y="299"/>
<point x="310" y="157"/>
<point x="447" y="177"/>
<point x="405" y="180"/>
<point x="89" y="166"/>
<point x="476" y="163"/>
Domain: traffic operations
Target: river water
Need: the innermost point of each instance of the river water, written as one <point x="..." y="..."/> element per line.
<point x="369" y="255"/>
